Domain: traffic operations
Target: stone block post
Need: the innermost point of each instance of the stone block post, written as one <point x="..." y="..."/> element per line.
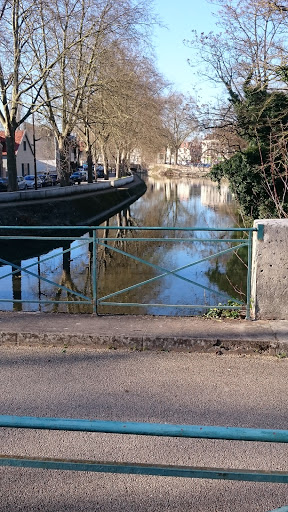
<point x="269" y="287"/>
<point x="1" y="160"/>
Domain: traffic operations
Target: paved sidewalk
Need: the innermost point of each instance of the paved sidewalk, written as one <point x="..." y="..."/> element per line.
<point x="144" y="332"/>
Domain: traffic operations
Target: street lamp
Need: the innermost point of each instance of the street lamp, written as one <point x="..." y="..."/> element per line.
<point x="34" y="145"/>
<point x="30" y="79"/>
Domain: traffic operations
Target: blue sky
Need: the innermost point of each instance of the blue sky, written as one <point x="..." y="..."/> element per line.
<point x="181" y="17"/>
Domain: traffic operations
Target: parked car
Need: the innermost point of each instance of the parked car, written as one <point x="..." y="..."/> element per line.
<point x="3" y="184"/>
<point x="22" y="185"/>
<point x="46" y="180"/>
<point x="76" y="177"/>
<point x="30" y="181"/>
<point x="54" y="179"/>
<point x="84" y="173"/>
<point x="100" y="171"/>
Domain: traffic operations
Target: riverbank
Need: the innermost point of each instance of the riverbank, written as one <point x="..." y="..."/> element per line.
<point x="178" y="171"/>
<point x="70" y="206"/>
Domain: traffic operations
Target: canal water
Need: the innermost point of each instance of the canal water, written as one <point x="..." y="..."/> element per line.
<point x="122" y="264"/>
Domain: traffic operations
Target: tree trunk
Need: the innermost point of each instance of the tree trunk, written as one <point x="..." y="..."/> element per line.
<point x="166" y="155"/>
<point x="89" y="156"/>
<point x="11" y="159"/>
<point x="63" y="161"/>
<point x="176" y="156"/>
<point x="105" y="162"/>
<point x="89" y="163"/>
<point x="106" y="168"/>
<point x="118" y="162"/>
<point x="125" y="163"/>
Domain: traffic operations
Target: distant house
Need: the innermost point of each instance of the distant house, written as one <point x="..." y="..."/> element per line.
<point x="47" y="153"/>
<point x="212" y="150"/>
<point x="46" y="150"/>
<point x="45" y="147"/>
<point x="184" y="152"/>
<point x="23" y="151"/>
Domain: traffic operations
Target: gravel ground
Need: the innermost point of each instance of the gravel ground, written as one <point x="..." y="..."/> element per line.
<point x="184" y="388"/>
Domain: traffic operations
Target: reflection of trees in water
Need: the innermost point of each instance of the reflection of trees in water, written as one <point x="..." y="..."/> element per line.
<point x="164" y="206"/>
<point x="17" y="288"/>
<point x="117" y="271"/>
<point x="124" y="271"/>
<point x="166" y="210"/>
<point x="105" y="254"/>
<point x="67" y="281"/>
<point x="160" y="210"/>
<point x="107" y="260"/>
<point x="73" y="281"/>
<point x="232" y="280"/>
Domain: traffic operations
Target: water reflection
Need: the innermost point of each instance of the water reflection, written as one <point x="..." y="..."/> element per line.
<point x="167" y="203"/>
<point x="186" y="202"/>
<point x="210" y="193"/>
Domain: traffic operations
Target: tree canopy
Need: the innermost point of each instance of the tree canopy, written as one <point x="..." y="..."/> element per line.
<point x="249" y="56"/>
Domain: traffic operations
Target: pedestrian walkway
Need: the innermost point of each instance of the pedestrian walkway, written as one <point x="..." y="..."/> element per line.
<point x="144" y="332"/>
<point x="146" y="387"/>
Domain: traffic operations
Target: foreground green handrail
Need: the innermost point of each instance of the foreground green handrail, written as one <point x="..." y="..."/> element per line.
<point x="146" y="429"/>
<point x="151" y="429"/>
<point x="282" y="509"/>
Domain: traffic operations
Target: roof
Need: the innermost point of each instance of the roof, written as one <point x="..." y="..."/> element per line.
<point x="19" y="134"/>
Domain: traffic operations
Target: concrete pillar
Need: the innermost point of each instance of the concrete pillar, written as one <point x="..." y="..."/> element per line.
<point x="1" y="160"/>
<point x="269" y="287"/>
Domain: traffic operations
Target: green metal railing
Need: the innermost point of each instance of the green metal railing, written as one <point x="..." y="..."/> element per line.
<point x="147" y="429"/>
<point x="128" y="236"/>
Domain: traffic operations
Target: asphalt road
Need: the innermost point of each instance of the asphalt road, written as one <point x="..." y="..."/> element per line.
<point x="164" y="387"/>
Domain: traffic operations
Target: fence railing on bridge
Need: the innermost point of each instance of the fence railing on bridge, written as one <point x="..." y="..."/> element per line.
<point x="119" y="240"/>
<point x="147" y="429"/>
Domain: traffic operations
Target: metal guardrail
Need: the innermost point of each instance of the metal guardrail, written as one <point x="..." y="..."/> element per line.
<point x="63" y="234"/>
<point x="147" y="429"/>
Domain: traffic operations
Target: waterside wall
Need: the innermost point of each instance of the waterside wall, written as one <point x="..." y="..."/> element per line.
<point x="70" y="206"/>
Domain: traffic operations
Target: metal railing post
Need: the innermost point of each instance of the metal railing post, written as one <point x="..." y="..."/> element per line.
<point x="94" y="271"/>
<point x="250" y="234"/>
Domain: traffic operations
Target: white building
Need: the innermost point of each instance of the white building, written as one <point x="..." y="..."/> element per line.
<point x="212" y="151"/>
<point x="23" y="152"/>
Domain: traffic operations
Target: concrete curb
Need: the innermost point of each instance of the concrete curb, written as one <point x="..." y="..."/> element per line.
<point x="144" y="333"/>
<point x="52" y="192"/>
<point x="143" y="343"/>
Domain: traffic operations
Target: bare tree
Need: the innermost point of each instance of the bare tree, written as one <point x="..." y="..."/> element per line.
<point x="179" y="120"/>
<point x="17" y="73"/>
<point x="137" y="111"/>
<point x="27" y="61"/>
<point x="124" y="112"/>
<point x="274" y="170"/>
<point x="250" y="58"/>
<point x="251" y="45"/>
<point x="94" y="26"/>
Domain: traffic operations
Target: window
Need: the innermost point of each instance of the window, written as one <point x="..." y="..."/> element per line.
<point x="23" y="169"/>
<point x="28" y="168"/>
<point x="24" y="145"/>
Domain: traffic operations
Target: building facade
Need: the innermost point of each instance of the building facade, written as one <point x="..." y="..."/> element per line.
<point x="23" y="152"/>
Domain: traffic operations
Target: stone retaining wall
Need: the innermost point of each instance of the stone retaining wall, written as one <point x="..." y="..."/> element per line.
<point x="52" y="192"/>
<point x="71" y="206"/>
